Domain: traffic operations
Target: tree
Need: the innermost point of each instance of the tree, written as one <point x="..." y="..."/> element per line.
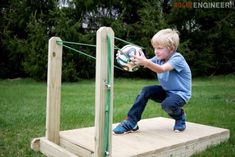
<point x="207" y="35"/>
<point x="13" y="36"/>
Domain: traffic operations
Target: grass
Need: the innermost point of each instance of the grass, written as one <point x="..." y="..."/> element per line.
<point x="23" y="105"/>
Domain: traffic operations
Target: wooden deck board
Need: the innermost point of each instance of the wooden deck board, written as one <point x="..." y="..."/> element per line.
<point x="155" y="138"/>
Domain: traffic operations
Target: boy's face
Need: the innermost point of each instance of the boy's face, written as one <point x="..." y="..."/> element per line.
<point x="162" y="52"/>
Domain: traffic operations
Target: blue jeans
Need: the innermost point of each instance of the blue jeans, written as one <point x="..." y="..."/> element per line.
<point x="171" y="103"/>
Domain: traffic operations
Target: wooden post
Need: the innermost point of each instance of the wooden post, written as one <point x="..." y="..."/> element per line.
<point x="101" y="90"/>
<point x="53" y="90"/>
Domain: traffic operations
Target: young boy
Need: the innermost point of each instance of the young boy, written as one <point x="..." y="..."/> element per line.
<point x="175" y="80"/>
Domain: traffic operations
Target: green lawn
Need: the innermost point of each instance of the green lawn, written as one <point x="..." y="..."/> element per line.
<point x="23" y="104"/>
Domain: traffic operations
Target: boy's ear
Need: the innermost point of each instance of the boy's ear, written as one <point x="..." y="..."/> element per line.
<point x="172" y="49"/>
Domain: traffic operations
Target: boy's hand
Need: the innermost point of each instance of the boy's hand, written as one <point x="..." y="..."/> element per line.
<point x="139" y="58"/>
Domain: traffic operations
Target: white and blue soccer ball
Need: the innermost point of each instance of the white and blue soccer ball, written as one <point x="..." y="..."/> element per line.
<point x="124" y="56"/>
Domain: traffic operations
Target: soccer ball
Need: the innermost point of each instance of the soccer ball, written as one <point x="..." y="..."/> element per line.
<point x="124" y="57"/>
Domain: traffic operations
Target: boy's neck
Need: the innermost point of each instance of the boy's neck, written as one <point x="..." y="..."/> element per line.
<point x="171" y="54"/>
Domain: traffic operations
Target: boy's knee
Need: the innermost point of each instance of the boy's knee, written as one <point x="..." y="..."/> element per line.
<point x="168" y="109"/>
<point x="144" y="91"/>
<point x="172" y="111"/>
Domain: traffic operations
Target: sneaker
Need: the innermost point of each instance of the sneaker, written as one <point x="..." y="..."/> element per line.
<point x="180" y="125"/>
<point x="125" y="127"/>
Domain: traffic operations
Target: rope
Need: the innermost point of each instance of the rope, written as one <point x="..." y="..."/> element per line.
<point x="108" y="83"/>
<point x="76" y="43"/>
<point x="108" y="98"/>
<point x="127" y="42"/>
<point x="83" y="44"/>
<point x="59" y="42"/>
<point x="79" y="51"/>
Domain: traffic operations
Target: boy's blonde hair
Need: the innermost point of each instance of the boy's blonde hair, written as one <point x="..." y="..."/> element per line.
<point x="166" y="37"/>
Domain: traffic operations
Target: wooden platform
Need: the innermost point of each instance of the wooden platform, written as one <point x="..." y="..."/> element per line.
<point x="155" y="138"/>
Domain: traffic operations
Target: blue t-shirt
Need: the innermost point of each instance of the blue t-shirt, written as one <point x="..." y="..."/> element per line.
<point x="178" y="80"/>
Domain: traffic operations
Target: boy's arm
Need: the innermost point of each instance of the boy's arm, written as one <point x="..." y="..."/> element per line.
<point x="157" y="68"/>
<point x="147" y="63"/>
